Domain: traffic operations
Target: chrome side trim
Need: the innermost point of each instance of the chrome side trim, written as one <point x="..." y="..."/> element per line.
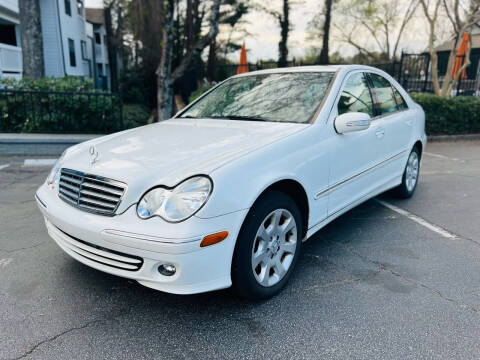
<point x="351" y="205"/>
<point x="336" y="185"/>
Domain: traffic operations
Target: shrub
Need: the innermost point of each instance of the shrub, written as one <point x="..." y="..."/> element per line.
<point x="446" y="116"/>
<point x="58" y="105"/>
<point x="69" y="83"/>
<point x="135" y="115"/>
<point x="136" y="88"/>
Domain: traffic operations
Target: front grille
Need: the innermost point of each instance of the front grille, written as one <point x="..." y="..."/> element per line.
<point x="89" y="192"/>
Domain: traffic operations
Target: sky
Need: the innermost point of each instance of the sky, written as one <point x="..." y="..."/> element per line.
<point x="262" y="43"/>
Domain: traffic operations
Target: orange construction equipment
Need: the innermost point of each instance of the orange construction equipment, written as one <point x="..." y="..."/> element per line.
<point x="460" y="59"/>
<point x="243" y="64"/>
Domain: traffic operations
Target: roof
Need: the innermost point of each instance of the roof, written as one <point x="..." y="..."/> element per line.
<point x="294" y="69"/>
<point x="447" y="45"/>
<point x="312" y="68"/>
<point x="95" y="15"/>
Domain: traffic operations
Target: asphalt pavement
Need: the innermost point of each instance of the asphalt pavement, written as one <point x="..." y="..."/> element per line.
<point x="377" y="283"/>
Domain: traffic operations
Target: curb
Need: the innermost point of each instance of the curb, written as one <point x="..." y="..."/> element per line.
<point x="453" y="138"/>
<point x="39" y="144"/>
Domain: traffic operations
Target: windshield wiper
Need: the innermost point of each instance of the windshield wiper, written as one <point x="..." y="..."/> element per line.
<point x="240" y="117"/>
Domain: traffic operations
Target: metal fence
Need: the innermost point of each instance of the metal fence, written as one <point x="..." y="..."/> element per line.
<point x="415" y="75"/>
<point x="413" y="71"/>
<point x="224" y="71"/>
<point x="55" y="111"/>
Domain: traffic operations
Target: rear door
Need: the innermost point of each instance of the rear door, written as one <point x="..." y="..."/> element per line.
<point x="393" y="125"/>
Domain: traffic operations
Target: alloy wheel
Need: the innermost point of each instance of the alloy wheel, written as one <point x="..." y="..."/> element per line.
<point x="411" y="175"/>
<point x="274" y="247"/>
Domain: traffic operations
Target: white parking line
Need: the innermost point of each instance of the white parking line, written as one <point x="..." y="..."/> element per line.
<point x="4" y="166"/>
<point x="5" y="262"/>
<point x="419" y="220"/>
<point x="442" y="156"/>
<point x="39" y="162"/>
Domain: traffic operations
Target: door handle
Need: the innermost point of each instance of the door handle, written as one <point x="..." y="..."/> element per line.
<point x="409" y="122"/>
<point x="380" y="132"/>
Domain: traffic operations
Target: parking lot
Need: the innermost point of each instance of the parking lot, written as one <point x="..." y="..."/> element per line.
<point x="388" y="280"/>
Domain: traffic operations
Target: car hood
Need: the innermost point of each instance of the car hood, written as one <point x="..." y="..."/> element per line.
<point x="166" y="153"/>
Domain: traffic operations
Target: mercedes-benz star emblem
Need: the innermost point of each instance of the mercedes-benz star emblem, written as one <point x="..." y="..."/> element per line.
<point x="93" y="155"/>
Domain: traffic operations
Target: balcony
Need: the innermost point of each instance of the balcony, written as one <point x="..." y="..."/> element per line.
<point x="10" y="61"/>
<point x="98" y="53"/>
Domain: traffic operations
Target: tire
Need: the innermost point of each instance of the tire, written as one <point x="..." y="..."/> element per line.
<point x="261" y="242"/>
<point x="410" y="176"/>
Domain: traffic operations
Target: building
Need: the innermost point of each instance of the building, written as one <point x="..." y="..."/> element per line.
<point x="72" y="46"/>
<point x="10" y="48"/>
<point x="443" y="52"/>
<point x="96" y="17"/>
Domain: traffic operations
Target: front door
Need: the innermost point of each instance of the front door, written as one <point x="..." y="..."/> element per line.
<point x="354" y="156"/>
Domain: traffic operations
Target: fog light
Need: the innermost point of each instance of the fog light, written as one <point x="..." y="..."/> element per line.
<point x="167" y="269"/>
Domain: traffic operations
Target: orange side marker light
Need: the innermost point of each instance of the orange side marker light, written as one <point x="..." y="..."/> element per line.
<point x="214" y="238"/>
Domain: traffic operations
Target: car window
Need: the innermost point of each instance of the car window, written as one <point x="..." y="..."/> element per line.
<point x="401" y="103"/>
<point x="356" y="96"/>
<point x="383" y="95"/>
<point x="280" y="97"/>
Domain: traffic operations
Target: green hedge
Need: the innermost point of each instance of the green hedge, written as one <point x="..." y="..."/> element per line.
<point x="68" y="105"/>
<point x="448" y="116"/>
<point x="135" y="115"/>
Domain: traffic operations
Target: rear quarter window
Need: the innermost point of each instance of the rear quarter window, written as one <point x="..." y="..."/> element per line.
<point x="401" y="103"/>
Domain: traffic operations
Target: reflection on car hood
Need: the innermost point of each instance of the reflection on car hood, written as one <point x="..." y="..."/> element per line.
<point x="165" y="153"/>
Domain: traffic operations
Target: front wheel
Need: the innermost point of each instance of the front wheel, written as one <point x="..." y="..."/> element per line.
<point x="410" y="175"/>
<point x="268" y="247"/>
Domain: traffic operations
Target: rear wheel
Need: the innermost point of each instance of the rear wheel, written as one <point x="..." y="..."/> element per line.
<point x="268" y="247"/>
<point x="410" y="175"/>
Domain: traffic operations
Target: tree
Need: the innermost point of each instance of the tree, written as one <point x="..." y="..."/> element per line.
<point x="32" y="43"/>
<point x="144" y="24"/>
<point x="114" y="14"/>
<point x="166" y="74"/>
<point x="462" y="20"/>
<point x="323" y="58"/>
<point x="282" y="17"/>
<point x="383" y="20"/>
<point x="231" y="14"/>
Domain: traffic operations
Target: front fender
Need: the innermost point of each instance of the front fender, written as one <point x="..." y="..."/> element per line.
<point x="300" y="157"/>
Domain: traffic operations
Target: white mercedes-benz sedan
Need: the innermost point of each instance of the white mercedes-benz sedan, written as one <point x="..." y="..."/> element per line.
<point x="224" y="193"/>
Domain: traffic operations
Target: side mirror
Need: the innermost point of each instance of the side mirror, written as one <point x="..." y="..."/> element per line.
<point x="352" y="121"/>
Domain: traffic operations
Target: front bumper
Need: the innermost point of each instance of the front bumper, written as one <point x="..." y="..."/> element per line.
<point x="105" y="243"/>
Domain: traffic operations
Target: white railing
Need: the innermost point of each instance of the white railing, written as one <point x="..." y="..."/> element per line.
<point x="10" y="59"/>
<point x="11" y="5"/>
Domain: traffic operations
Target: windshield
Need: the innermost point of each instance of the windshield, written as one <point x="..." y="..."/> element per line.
<point x="281" y="97"/>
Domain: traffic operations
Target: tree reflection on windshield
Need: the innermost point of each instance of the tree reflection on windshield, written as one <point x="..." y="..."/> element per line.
<point x="281" y="97"/>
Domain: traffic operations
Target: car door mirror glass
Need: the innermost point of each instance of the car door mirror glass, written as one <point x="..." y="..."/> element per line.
<point x="352" y="121"/>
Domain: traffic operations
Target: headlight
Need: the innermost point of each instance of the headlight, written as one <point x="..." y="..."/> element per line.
<point x="54" y="175"/>
<point x="177" y="204"/>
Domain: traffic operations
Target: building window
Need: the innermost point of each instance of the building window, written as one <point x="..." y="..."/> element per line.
<point x="71" y="51"/>
<point x="8" y="35"/>
<point x="80" y="7"/>
<point x="68" y="8"/>
<point x="105" y="39"/>
<point x="83" y="47"/>
<point x="98" y="39"/>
